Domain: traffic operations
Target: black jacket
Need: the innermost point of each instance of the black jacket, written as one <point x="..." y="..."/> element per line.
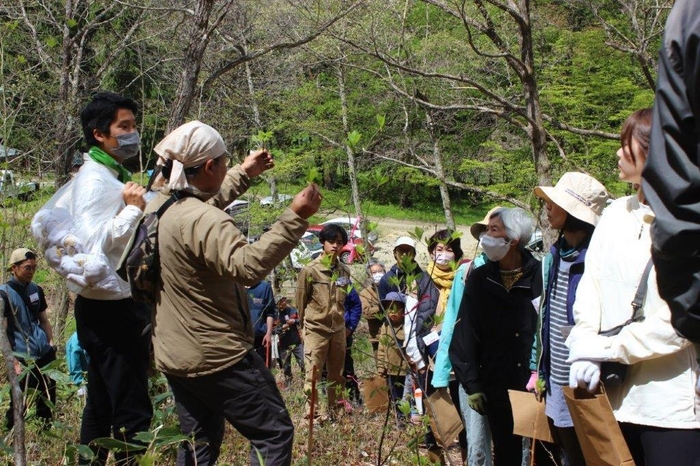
<point x="492" y="342"/>
<point x="428" y="296"/>
<point x="671" y="179"/>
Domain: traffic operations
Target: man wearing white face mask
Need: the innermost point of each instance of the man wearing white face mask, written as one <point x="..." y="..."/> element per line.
<point x="370" y="303"/>
<point x="492" y="341"/>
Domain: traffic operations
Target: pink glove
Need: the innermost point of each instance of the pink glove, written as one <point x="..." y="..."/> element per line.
<point x="532" y="383"/>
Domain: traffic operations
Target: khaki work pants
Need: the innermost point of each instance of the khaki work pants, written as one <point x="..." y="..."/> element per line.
<point x="325" y="349"/>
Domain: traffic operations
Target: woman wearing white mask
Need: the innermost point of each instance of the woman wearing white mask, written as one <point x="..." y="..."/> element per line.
<point x="656" y="404"/>
<point x="445" y="250"/>
<point x="370" y="303"/>
<point x="491" y="346"/>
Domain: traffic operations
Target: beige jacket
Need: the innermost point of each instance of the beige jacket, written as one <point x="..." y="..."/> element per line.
<point x="320" y="296"/>
<point x="370" y="303"/>
<point x="390" y="357"/>
<point x="202" y="323"/>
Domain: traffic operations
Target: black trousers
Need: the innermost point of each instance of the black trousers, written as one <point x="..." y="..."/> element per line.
<point x="112" y="334"/>
<point x="507" y="447"/>
<point x="286" y="352"/>
<point x="351" y="384"/>
<point x="45" y="391"/>
<point x="245" y="395"/>
<point x="656" y="446"/>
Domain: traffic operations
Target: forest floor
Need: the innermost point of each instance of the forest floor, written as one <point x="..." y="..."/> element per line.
<point x="360" y="438"/>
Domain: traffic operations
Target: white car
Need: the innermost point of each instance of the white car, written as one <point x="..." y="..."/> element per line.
<point x="308" y="249"/>
<point x="281" y="199"/>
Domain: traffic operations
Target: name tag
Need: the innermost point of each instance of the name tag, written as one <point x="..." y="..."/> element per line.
<point x="431" y="338"/>
<point x="34" y="298"/>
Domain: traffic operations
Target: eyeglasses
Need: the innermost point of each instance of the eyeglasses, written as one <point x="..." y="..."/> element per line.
<point x="27" y="268"/>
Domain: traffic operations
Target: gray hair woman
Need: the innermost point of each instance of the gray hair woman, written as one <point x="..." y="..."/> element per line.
<point x="491" y="346"/>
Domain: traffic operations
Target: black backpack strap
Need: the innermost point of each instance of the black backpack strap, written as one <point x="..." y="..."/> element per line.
<point x="641" y="293"/>
<point x="176" y="196"/>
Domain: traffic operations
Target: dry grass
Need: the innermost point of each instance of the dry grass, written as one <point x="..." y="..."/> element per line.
<point x="352" y="440"/>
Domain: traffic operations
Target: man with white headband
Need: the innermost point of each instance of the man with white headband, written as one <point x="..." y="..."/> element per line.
<point x="202" y="334"/>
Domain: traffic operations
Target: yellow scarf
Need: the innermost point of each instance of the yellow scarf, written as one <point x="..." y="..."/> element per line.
<point x="443" y="281"/>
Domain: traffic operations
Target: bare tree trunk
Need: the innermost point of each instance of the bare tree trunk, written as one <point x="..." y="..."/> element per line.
<point x="440" y="171"/>
<point x="67" y="90"/>
<point x="61" y="309"/>
<point x="350" y="152"/>
<point x="535" y="128"/>
<point x="192" y="63"/>
<point x="20" y="453"/>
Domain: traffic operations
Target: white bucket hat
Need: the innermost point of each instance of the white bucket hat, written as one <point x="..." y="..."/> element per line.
<point x="580" y="195"/>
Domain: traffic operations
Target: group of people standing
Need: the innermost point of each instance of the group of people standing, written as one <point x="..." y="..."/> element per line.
<point x="502" y="321"/>
<point x="508" y="321"/>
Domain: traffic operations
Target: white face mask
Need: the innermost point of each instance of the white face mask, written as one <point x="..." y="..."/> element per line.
<point x="377" y="276"/>
<point x="444" y="258"/>
<point x="495" y="248"/>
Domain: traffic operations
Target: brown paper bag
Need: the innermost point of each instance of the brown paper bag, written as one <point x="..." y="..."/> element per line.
<point x="597" y="430"/>
<point x="445" y="420"/>
<point x="375" y="394"/>
<point x="528" y="416"/>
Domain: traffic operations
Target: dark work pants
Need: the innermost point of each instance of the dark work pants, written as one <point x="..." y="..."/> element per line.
<point x="395" y="384"/>
<point x="656" y="446"/>
<point x="245" y="395"/>
<point x="349" y="374"/>
<point x="45" y="390"/>
<point x="507" y="447"/>
<point x="286" y="353"/>
<point x="117" y="402"/>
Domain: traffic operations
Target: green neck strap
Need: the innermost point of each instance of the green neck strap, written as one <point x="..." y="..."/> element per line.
<point x="102" y="157"/>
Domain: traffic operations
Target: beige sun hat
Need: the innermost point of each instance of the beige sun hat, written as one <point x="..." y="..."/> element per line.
<point x="580" y="195"/>
<point x="20" y="255"/>
<point x="479" y="227"/>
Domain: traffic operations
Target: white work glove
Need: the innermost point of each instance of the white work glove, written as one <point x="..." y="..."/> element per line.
<point x="585" y="374"/>
<point x="81" y="392"/>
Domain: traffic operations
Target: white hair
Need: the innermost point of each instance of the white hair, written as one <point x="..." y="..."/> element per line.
<point x="518" y="224"/>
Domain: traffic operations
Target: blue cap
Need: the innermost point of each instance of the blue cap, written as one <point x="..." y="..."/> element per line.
<point x="393" y="296"/>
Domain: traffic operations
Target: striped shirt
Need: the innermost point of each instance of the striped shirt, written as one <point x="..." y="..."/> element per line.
<point x="558" y="352"/>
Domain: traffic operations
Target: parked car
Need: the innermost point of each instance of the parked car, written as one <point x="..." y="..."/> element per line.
<point x="308" y="249"/>
<point x="10" y="188"/>
<point x="351" y="251"/>
<point x="239" y="211"/>
<point x="536" y="244"/>
<point x="281" y="199"/>
<point x="353" y="226"/>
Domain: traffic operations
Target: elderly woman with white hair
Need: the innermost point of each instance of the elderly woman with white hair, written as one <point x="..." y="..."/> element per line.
<point x="202" y="333"/>
<point x="491" y="345"/>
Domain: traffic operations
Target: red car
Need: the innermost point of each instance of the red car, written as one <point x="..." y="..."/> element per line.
<point x="349" y="253"/>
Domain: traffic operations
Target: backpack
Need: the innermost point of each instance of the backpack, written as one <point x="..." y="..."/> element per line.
<point x="140" y="262"/>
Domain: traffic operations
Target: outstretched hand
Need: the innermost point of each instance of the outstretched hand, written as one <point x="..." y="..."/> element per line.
<point x="257" y="162"/>
<point x="307" y="202"/>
